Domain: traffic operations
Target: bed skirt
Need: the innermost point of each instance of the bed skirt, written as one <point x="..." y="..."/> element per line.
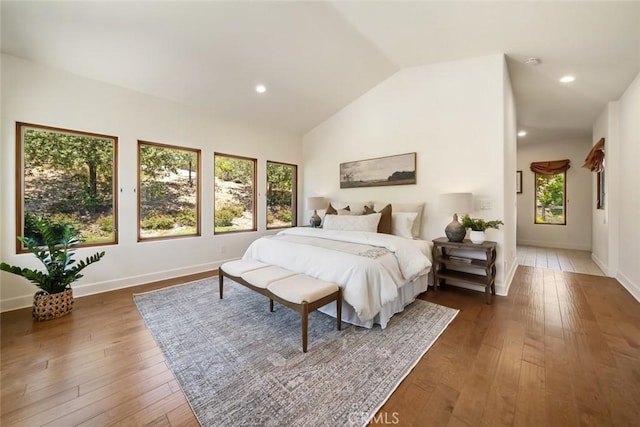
<point x="406" y="295"/>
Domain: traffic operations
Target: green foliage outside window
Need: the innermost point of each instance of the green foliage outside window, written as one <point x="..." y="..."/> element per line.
<point x="234" y="169"/>
<point x="168" y="194"/>
<point x="281" y="192"/>
<point x="68" y="179"/>
<point x="550" y="199"/>
<point x="234" y="193"/>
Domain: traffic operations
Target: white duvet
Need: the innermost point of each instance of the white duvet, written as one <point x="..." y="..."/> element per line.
<point x="370" y="267"/>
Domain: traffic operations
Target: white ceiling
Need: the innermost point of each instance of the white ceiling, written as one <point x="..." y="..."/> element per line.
<point x="316" y="57"/>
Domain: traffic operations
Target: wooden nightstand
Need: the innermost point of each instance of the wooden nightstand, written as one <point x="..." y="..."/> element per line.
<point x="446" y="265"/>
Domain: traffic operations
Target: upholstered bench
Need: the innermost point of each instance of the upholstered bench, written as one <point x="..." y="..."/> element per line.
<point x="299" y="292"/>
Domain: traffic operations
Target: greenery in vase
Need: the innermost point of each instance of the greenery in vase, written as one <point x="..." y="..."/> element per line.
<point x="479" y="224"/>
<point x="57" y="257"/>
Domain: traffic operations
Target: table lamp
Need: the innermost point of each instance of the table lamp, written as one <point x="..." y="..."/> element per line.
<point x="456" y="203"/>
<point x="315" y="203"/>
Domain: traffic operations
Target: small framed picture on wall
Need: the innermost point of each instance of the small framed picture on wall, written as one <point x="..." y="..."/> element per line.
<point x="519" y="182"/>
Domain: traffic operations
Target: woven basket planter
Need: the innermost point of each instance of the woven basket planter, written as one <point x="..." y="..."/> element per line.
<point x="48" y="306"/>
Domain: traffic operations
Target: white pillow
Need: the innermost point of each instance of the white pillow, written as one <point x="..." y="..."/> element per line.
<point x="352" y="222"/>
<point x="406" y="207"/>
<point x="402" y="223"/>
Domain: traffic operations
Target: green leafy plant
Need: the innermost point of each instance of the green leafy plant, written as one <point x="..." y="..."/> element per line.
<point x="157" y="221"/>
<point x="284" y="215"/>
<point x="479" y="224"/>
<point x="57" y="257"/>
<point x="224" y="216"/>
<point x="105" y="223"/>
<point x="186" y="218"/>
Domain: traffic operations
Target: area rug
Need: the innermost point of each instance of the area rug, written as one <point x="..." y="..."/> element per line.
<point x="239" y="364"/>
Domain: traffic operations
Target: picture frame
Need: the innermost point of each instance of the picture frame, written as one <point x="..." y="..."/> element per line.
<point x="518" y="182"/>
<point x="382" y="171"/>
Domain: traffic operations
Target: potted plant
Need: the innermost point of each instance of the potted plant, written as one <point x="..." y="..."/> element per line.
<point x="55" y="298"/>
<point x="478" y="227"/>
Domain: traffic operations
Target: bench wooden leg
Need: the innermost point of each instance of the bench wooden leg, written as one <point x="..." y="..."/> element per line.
<point x="220" y="282"/>
<point x="305" y="325"/>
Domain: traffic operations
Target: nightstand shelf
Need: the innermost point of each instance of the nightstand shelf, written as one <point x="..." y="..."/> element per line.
<point x="447" y="260"/>
<point x="446" y="264"/>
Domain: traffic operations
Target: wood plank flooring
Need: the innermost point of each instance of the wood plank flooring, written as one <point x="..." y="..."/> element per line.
<point x="562" y="349"/>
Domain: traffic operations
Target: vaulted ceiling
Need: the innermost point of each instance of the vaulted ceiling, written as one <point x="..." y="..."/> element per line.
<point x="316" y="57"/>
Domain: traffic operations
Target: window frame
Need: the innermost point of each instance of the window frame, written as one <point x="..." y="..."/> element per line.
<point x="255" y="192"/>
<point x="198" y="153"/>
<point x="564" y="201"/>
<point x="294" y="195"/>
<point x="20" y="190"/>
<point x="600" y="190"/>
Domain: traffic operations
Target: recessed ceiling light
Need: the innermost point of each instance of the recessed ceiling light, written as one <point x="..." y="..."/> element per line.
<point x="567" y="79"/>
<point x="261" y="89"/>
<point x="522" y="133"/>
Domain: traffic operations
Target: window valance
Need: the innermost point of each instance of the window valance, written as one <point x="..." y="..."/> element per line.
<point x="595" y="158"/>
<point x="552" y="167"/>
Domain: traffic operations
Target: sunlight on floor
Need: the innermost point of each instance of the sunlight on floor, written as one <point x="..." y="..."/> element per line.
<point x="558" y="259"/>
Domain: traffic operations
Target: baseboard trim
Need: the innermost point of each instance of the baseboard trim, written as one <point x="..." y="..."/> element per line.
<point x="80" y="291"/>
<point x="556" y="245"/>
<point x="632" y="288"/>
<point x="16" y="303"/>
<point x="601" y="266"/>
<point x="508" y="279"/>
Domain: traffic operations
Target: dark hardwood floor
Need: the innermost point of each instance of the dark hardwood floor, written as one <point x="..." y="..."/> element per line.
<point x="562" y="349"/>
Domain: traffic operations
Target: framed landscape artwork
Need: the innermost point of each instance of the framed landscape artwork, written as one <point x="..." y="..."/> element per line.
<point x="382" y="171"/>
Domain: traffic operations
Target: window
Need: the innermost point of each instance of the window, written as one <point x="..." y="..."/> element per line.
<point x="234" y="193"/>
<point x="550" y="199"/>
<point x="600" y="189"/>
<point x="595" y="163"/>
<point x="168" y="191"/>
<point x="281" y="195"/>
<point x="67" y="177"/>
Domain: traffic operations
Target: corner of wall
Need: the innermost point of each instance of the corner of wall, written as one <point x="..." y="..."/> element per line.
<point x="632" y="288"/>
<point x="508" y="279"/>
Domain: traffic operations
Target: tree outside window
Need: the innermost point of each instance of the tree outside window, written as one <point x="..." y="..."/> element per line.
<point x="281" y="195"/>
<point x="68" y="177"/>
<point x="168" y="191"/>
<point x="550" y="199"/>
<point x="234" y="193"/>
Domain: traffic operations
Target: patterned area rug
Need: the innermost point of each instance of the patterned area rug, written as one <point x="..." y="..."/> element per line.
<point x="239" y="364"/>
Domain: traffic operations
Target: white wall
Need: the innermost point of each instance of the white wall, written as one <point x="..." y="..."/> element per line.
<point x="627" y="227"/>
<point x="576" y="234"/>
<point x="600" y="226"/>
<point x="453" y="115"/>
<point x="39" y="95"/>
<point x="509" y="187"/>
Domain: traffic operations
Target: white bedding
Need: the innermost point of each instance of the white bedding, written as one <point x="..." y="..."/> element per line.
<point x="370" y="267"/>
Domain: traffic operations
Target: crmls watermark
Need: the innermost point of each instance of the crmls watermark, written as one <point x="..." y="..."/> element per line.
<point x="384" y="418"/>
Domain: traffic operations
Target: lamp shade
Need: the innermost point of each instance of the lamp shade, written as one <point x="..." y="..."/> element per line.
<point x="456" y="202"/>
<point x="314" y="203"/>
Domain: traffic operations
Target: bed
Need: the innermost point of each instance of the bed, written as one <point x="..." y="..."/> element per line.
<point x="379" y="273"/>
